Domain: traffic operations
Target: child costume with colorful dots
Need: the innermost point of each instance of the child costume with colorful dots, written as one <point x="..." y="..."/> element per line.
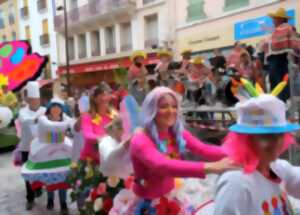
<point x="251" y="194"/>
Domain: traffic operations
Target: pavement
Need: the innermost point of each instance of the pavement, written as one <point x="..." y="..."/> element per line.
<point x="12" y="195"/>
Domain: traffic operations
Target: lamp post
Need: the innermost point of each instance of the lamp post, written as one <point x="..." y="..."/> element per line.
<point x="64" y="8"/>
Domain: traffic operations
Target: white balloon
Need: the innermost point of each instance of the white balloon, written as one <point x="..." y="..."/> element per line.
<point x="6" y="116"/>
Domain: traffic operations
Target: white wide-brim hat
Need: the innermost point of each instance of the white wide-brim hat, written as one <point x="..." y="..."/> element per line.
<point x="265" y="114"/>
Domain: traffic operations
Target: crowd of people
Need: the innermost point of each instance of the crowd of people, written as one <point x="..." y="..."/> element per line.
<point x="124" y="150"/>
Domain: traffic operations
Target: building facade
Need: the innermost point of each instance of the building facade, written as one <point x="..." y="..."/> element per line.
<point x="36" y="26"/>
<point x="203" y="25"/>
<point x="103" y="33"/>
<point x="9" y="20"/>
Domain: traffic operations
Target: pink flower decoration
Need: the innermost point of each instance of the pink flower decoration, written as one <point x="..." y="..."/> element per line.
<point x="101" y="189"/>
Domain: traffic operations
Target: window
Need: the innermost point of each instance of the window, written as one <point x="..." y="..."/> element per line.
<point x="24" y="9"/>
<point x="110" y="39"/>
<point x="235" y="4"/>
<point x="151" y="31"/>
<point x="74" y="4"/>
<point x="95" y="43"/>
<point x="47" y="70"/>
<point x="41" y="5"/>
<point x="126" y="38"/>
<point x="82" y="45"/>
<point x="27" y="32"/>
<point x="71" y="48"/>
<point x="148" y="1"/>
<point x="45" y="26"/>
<point x="44" y="38"/>
<point x="195" y="10"/>
<point x="14" y="35"/>
<point x="11" y="18"/>
<point x="1" y="20"/>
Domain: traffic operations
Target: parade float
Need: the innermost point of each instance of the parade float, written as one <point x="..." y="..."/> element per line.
<point x="17" y="66"/>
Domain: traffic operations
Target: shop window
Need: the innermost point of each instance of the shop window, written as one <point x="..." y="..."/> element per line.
<point x="235" y="4"/>
<point x="195" y="10"/>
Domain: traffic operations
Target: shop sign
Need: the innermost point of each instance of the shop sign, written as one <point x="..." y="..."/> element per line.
<point x="257" y="27"/>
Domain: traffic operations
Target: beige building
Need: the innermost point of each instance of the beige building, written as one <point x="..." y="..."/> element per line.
<point x="9" y="25"/>
<point x="203" y="25"/>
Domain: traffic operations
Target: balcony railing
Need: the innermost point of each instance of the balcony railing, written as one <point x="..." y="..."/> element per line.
<point x="151" y="43"/>
<point x="96" y="53"/>
<point x="44" y="39"/>
<point x="110" y="50"/>
<point x="24" y="12"/>
<point x="74" y="14"/>
<point x="126" y="47"/>
<point x="41" y="5"/>
<point x="96" y="10"/>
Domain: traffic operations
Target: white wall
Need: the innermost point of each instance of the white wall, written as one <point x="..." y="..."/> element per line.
<point x="166" y="31"/>
<point x="35" y="22"/>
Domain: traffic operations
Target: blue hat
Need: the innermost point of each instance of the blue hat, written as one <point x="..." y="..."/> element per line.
<point x="265" y="114"/>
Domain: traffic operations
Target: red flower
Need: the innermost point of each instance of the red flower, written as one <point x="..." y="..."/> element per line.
<point x="101" y="189"/>
<point x="107" y="205"/>
<point x="129" y="182"/>
<point x="93" y="194"/>
<point x="166" y="207"/>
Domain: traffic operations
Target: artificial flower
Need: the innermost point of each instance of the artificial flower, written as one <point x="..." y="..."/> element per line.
<point x="89" y="171"/>
<point x="74" y="165"/>
<point x="98" y="204"/>
<point x="144" y="207"/>
<point x="124" y="199"/>
<point x="101" y="189"/>
<point x="129" y="182"/>
<point x="78" y="183"/>
<point x="113" y="181"/>
<point x="97" y="120"/>
<point x="166" y="207"/>
<point x="93" y="194"/>
<point x="107" y="205"/>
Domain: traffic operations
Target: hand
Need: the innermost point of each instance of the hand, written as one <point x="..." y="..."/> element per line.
<point x="221" y="166"/>
<point x="77" y="125"/>
<point x="126" y="144"/>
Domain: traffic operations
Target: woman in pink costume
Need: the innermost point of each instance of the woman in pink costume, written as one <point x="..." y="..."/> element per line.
<point x="157" y="153"/>
<point x="93" y="123"/>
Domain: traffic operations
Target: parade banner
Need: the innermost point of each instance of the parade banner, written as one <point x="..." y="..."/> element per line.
<point x="18" y="65"/>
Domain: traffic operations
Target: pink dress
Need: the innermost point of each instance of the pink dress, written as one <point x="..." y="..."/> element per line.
<point x="155" y="171"/>
<point x="91" y="132"/>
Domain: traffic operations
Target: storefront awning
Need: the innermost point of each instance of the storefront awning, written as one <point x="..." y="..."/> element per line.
<point x="103" y="65"/>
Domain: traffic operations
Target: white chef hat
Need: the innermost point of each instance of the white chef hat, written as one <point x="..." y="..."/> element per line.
<point x="33" y="89"/>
